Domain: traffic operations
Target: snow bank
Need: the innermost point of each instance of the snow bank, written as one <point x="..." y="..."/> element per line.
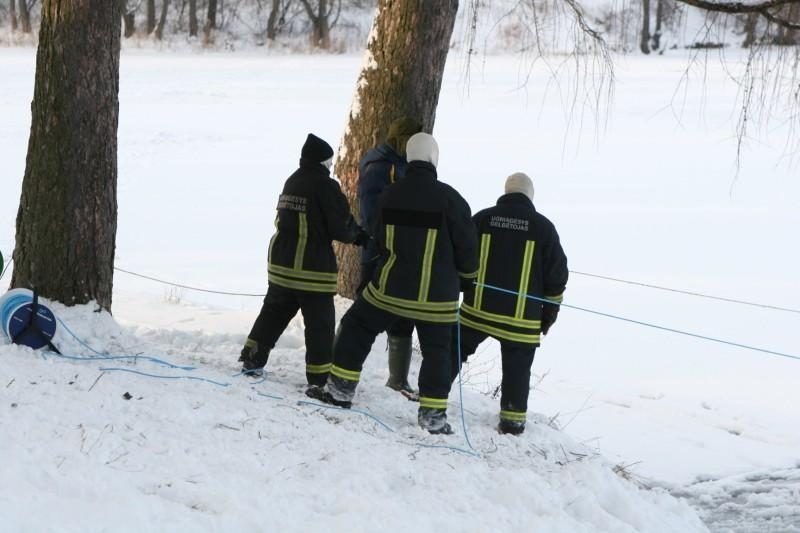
<point x="188" y="455"/>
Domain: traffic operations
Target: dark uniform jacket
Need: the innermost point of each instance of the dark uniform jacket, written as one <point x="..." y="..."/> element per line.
<point x="378" y="169"/>
<point x="427" y="242"/>
<point x="312" y="212"/>
<point x="519" y="252"/>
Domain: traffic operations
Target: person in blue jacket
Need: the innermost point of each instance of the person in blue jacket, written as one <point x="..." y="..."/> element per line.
<point x="379" y="168"/>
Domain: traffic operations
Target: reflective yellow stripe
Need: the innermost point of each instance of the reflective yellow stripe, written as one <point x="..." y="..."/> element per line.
<point x="302" y="238"/>
<point x="302" y="285"/>
<point x="349" y="375"/>
<point x="469" y="276"/>
<point x="310" y="275"/>
<point x="513" y="416"/>
<point x="318" y="369"/>
<point x="392" y="257"/>
<point x="414" y="304"/>
<point x="274" y="238"/>
<point x="391" y="174"/>
<point x="486" y="240"/>
<point x="427" y="265"/>
<point x="425" y="316"/>
<point x="250" y="343"/>
<point x="557" y="299"/>
<point x="502" y="319"/>
<point x="433" y="403"/>
<point x="525" y="276"/>
<point x="500" y="333"/>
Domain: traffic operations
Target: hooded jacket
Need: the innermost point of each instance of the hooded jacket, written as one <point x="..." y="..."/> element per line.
<point x="520" y="251"/>
<point x="312" y="212"/>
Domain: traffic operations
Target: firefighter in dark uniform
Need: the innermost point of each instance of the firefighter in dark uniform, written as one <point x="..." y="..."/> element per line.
<point x="520" y="253"/>
<point x="312" y="212"/>
<point x="427" y="242"/>
<point x="379" y="168"/>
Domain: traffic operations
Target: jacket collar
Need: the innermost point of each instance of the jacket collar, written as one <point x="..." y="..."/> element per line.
<point x="515" y="198"/>
<point x="421" y="168"/>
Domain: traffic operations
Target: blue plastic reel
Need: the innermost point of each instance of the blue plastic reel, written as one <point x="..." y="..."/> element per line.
<point x="16" y="310"/>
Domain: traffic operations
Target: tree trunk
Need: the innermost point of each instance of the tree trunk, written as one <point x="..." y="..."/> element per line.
<point x="67" y="219"/>
<point x="128" y="20"/>
<point x="402" y="76"/>
<point x="659" y="23"/>
<point x="750" y="25"/>
<point x="272" y="22"/>
<point x="24" y="16"/>
<point x="193" y="18"/>
<point x="162" y="20"/>
<point x="151" y="16"/>
<point x="12" y="13"/>
<point x="211" y="22"/>
<point x="644" y="41"/>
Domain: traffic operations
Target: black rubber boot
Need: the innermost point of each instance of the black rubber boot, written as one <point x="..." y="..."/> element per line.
<point x="434" y="421"/>
<point x="399" y="364"/>
<point x="253" y="359"/>
<point x="338" y="392"/>
<point x="508" y="427"/>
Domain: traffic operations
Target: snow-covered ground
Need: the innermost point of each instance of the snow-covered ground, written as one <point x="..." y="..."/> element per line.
<point x="205" y="143"/>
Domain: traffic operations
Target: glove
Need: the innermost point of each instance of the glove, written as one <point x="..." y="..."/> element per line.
<point x="549" y="315"/>
<point x="362" y="239"/>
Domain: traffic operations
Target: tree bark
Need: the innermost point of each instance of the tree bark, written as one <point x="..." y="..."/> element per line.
<point x="659" y="24"/>
<point x="193" y="18"/>
<point x="402" y="76"/>
<point x="67" y="218"/>
<point x="12" y="13"/>
<point x="151" y="16"/>
<point x="24" y="17"/>
<point x="644" y="41"/>
<point x="162" y="20"/>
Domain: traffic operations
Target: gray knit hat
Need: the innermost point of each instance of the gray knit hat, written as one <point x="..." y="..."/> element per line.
<point x="422" y="147"/>
<point x="521" y="183"/>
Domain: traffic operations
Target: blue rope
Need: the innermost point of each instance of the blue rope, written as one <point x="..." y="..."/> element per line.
<point x="195" y="378"/>
<point x="335" y="407"/>
<point x="460" y="387"/>
<point x="270" y="396"/>
<point x="647" y="324"/>
<point x="101" y="356"/>
<point x="445" y="447"/>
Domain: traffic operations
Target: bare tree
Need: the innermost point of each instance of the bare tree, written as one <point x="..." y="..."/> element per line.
<point x="128" y="19"/>
<point x="320" y="16"/>
<point x="211" y="22"/>
<point x="12" y="13"/>
<point x="151" y="16"/>
<point x="275" y="18"/>
<point x="644" y="39"/>
<point x="67" y="219"/>
<point x="24" y="17"/>
<point x="193" y="18"/>
<point x="162" y="20"/>
<point x="402" y="76"/>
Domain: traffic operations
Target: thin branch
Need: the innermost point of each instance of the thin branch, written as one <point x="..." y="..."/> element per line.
<point x="737" y="7"/>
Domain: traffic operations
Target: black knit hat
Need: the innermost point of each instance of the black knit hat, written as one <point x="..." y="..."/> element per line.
<point x="315" y="150"/>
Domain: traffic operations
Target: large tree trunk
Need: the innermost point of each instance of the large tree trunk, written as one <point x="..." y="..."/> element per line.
<point x="193" y="18"/>
<point x="12" y="13"/>
<point x="24" y="16"/>
<point x="319" y="16"/>
<point x="402" y="76"/>
<point x="67" y="219"/>
<point x="151" y="16"/>
<point x="659" y="24"/>
<point x="162" y="20"/>
<point x="644" y="41"/>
